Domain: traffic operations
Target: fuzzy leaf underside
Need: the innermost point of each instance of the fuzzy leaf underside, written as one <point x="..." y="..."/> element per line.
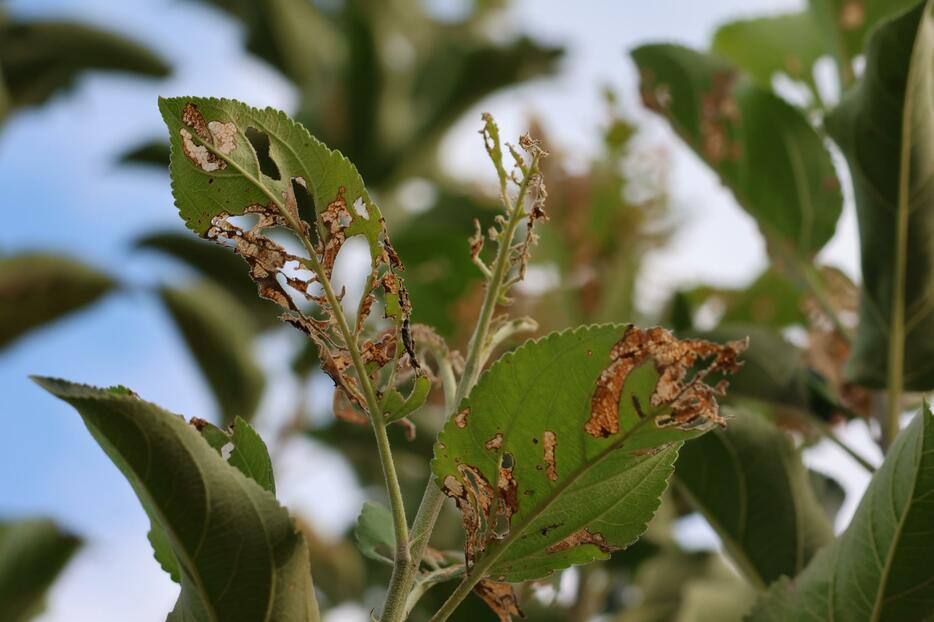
<point x="237" y="550"/>
<point x="885" y="128"/>
<point x="740" y="129"/>
<point x="880" y="568"/>
<point x="577" y="496"/>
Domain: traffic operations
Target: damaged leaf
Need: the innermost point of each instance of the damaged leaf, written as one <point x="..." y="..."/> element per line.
<point x="238" y="551"/>
<point x="230" y="160"/>
<point x="560" y="453"/>
<point x="740" y="129"/>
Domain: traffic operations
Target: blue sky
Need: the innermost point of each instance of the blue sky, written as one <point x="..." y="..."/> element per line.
<point x="63" y="190"/>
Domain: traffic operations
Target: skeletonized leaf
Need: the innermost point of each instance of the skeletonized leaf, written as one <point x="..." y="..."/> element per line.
<point x="38" y="58"/>
<point x="560" y="453"/>
<point x="229" y="159"/>
<point x="750" y="484"/>
<point x="32" y="554"/>
<point x="880" y="568"/>
<point x="219" y="336"/>
<point x="885" y="128"/>
<point x="36" y="289"/>
<point x="238" y="552"/>
<point x="374" y="534"/>
<point x="740" y="129"/>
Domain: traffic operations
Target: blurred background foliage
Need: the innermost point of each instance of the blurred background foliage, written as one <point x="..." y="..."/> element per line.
<point x="383" y="82"/>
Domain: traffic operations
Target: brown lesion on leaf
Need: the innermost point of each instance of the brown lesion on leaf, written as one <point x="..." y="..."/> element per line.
<point x="549" y="444"/>
<point x="852" y="14"/>
<point x="474" y="497"/>
<point x="508" y="490"/>
<point x="495" y="443"/>
<point x="221" y="136"/>
<point x="460" y="419"/>
<point x="581" y="537"/>
<point x="500" y="597"/>
<point x="688" y="403"/>
<point x="719" y="114"/>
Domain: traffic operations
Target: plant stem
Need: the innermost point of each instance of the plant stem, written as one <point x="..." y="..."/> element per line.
<point x="896" y="361"/>
<point x="433" y="499"/>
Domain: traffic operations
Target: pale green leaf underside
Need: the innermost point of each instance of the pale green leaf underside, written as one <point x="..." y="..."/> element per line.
<point x="374" y="534"/>
<point x="740" y="130"/>
<point x="239" y="554"/>
<point x="880" y="569"/>
<point x="749" y="482"/>
<point x="885" y="128"/>
<point x="545" y="388"/>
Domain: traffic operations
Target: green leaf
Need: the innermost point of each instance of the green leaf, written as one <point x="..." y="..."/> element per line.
<point x="32" y="554"/>
<point x="750" y="484"/>
<point x="397" y="407"/>
<point x="238" y="551"/>
<point x="740" y="130"/>
<point x="885" y="127"/>
<point x="250" y="455"/>
<point x="38" y="288"/>
<point x="374" y="534"/>
<point x="880" y="568"/>
<point x="38" y="58"/>
<point x="219" y="335"/>
<point x="765" y="46"/>
<point x="566" y="444"/>
<point x="154" y="153"/>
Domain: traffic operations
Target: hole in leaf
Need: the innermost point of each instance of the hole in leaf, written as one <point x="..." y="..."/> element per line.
<point x="304" y="201"/>
<point x="508" y="460"/>
<point x="260" y="143"/>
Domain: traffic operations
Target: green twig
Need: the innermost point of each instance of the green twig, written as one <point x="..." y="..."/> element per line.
<point x="433" y="498"/>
